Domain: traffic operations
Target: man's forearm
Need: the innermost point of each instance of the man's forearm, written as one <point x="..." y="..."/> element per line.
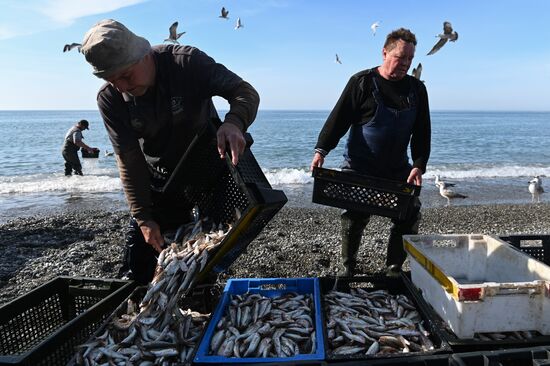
<point x="244" y="102"/>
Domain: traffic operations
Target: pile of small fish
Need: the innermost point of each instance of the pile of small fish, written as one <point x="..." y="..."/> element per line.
<point x="160" y="333"/>
<point x="373" y="322"/>
<point x="508" y="336"/>
<point x="258" y="326"/>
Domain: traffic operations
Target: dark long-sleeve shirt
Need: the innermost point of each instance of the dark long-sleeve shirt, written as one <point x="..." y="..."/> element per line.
<point x="186" y="79"/>
<point x="357" y="105"/>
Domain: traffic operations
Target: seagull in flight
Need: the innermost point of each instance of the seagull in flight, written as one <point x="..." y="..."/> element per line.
<point x="69" y="47"/>
<point x="338" y="60"/>
<point x="448" y="193"/>
<point x="535" y="188"/>
<point x="225" y="13"/>
<point x="374" y="26"/>
<point x="447" y="35"/>
<point x="239" y="24"/>
<point x="416" y="73"/>
<point x="174" y="35"/>
<point x="109" y="153"/>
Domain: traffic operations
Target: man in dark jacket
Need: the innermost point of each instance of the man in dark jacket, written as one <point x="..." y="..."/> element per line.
<point x="384" y="109"/>
<point x="154" y="102"/>
<point x="71" y="144"/>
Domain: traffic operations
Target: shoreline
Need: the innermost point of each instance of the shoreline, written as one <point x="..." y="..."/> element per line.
<point x="298" y="242"/>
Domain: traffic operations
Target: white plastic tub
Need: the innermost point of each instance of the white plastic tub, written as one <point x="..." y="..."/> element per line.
<point x="478" y="283"/>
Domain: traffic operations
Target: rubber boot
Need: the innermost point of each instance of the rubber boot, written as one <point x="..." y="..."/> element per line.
<point x="396" y="255"/>
<point x="353" y="225"/>
<point x="68" y="169"/>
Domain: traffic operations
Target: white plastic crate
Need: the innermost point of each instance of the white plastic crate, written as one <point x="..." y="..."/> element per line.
<point x="478" y="283"/>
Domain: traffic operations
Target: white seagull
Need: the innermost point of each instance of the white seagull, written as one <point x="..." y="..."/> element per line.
<point x="239" y="24"/>
<point x="337" y="60"/>
<point x="445" y="184"/>
<point x="448" y="193"/>
<point x="109" y="153"/>
<point x="225" y="13"/>
<point x="417" y="71"/>
<point x="174" y="35"/>
<point x="374" y="26"/>
<point x="535" y="188"/>
<point x="447" y="35"/>
<point x="69" y="47"/>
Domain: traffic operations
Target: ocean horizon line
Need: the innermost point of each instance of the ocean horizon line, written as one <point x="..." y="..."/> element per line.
<point x="303" y="110"/>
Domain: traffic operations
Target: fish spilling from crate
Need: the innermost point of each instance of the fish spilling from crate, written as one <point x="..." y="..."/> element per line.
<point x="260" y="327"/>
<point x="156" y="329"/>
<point x="375" y="322"/>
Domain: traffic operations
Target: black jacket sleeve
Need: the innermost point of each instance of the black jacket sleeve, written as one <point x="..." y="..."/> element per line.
<point x="343" y="115"/>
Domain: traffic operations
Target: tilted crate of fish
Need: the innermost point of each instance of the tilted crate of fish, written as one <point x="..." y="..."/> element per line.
<point x="473" y="281"/>
<point x="535" y="245"/>
<point x="44" y="326"/>
<point x="154" y="325"/>
<point x="375" y="318"/>
<point x="363" y="193"/>
<point x="265" y="320"/>
<point x="237" y="195"/>
<point x="480" y="341"/>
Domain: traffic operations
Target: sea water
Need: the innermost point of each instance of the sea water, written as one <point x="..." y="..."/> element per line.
<point x="490" y="156"/>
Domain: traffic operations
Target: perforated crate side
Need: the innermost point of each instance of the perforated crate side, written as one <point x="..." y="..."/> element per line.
<point x="43" y="326"/>
<point x="539" y="252"/>
<point x="362" y="193"/>
<point x="536" y="356"/>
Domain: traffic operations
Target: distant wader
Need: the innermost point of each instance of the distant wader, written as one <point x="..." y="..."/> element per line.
<point x="379" y="148"/>
<point x="70" y="153"/>
<point x="140" y="258"/>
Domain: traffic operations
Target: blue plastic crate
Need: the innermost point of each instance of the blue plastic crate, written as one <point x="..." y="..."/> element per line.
<point x="269" y="287"/>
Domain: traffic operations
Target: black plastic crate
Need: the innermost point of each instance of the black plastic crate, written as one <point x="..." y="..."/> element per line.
<point x="202" y="298"/>
<point x="538" y="356"/>
<point x="467" y="344"/>
<point x="363" y="193"/>
<point x="43" y="326"/>
<point x="432" y="360"/>
<point x="240" y="194"/>
<point x="86" y="155"/>
<point x="535" y="245"/>
<point x="394" y="285"/>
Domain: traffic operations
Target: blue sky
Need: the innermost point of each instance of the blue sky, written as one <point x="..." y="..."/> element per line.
<point x="286" y="49"/>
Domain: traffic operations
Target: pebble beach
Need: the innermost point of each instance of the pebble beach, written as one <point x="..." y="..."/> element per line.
<point x="298" y="242"/>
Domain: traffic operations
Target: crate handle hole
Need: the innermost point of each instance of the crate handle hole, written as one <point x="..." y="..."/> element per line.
<point x="272" y="286"/>
<point x="444" y="243"/>
<point x="531" y="243"/>
<point x="361" y="285"/>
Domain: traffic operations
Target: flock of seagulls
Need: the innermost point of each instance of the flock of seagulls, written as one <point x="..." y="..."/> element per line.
<point x="447" y="192"/>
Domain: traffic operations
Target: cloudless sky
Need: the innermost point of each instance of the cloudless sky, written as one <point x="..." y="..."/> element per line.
<point x="286" y="50"/>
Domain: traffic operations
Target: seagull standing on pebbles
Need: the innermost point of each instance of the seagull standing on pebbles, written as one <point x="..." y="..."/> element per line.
<point x="69" y="47"/>
<point x="174" y="35"/>
<point x="374" y="26"/>
<point x="239" y="24"/>
<point x="225" y="14"/>
<point x="447" y="35"/>
<point x="448" y="193"/>
<point x="337" y="60"/>
<point x="445" y="184"/>
<point x="535" y="188"/>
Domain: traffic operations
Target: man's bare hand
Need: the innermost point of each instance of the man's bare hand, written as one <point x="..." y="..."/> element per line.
<point x="151" y="232"/>
<point x="229" y="134"/>
<point x="317" y="162"/>
<point x="415" y="177"/>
